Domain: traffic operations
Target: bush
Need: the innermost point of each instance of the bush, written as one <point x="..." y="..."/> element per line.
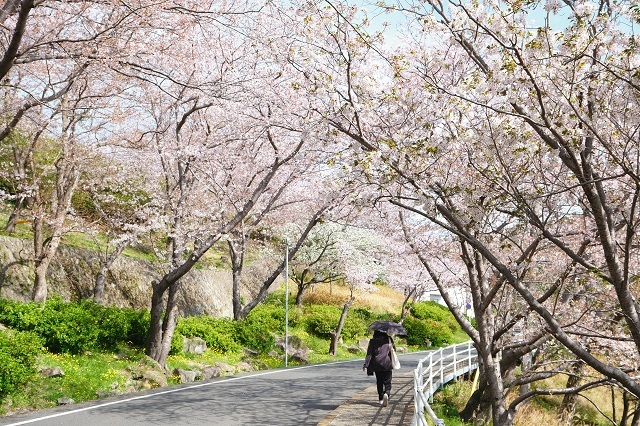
<point x="322" y="319"/>
<point x="420" y="332"/>
<point x="254" y="335"/>
<point x="217" y="332"/>
<point x="436" y="312"/>
<point x="270" y="316"/>
<point x="18" y="352"/>
<point x="76" y="327"/>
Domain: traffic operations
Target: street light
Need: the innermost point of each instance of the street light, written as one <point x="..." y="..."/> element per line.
<point x="286" y="304"/>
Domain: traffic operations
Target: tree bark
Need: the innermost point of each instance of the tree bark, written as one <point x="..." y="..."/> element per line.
<point x="6" y="63"/>
<point x="98" y="289"/>
<point x="569" y="402"/>
<point x="10" y="227"/>
<point x="105" y="264"/>
<point x="40" y="288"/>
<point x="335" y="335"/>
<point x="236" y="251"/>
<point x="154" y="336"/>
<point x="169" y="324"/>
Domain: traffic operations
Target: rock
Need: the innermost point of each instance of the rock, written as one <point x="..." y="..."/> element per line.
<point x="354" y="349"/>
<point x="211" y="372"/>
<point x="250" y="352"/>
<point x="51" y="372"/>
<point x="148" y="374"/>
<point x="401" y="349"/>
<point x="187" y="376"/>
<point x="194" y="345"/>
<point x="153" y="379"/>
<point x="363" y="344"/>
<point x="225" y="368"/>
<point x="149" y="362"/>
<point x="273" y="354"/>
<point x="297" y="349"/>
<point x="65" y="401"/>
<point x="108" y="393"/>
<point x="300" y="356"/>
<point x="244" y="366"/>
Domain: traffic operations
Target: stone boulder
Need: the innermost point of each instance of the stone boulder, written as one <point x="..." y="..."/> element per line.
<point x="211" y="372"/>
<point x="148" y="374"/>
<point x="297" y="349"/>
<point x="194" y="345"/>
<point x="244" y="367"/>
<point x="51" y="371"/>
<point x="363" y="344"/>
<point x="187" y="376"/>
<point x="355" y="350"/>
<point x="225" y="369"/>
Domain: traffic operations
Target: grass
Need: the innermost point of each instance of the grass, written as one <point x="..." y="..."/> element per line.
<point x="383" y="299"/>
<point x="84" y="376"/>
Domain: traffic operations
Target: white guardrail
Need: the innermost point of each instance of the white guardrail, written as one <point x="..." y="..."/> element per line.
<point x="432" y="375"/>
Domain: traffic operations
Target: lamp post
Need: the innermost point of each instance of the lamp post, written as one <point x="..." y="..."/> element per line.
<point x="286" y="304"/>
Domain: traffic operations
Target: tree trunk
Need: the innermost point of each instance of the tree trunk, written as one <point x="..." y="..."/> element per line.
<point x="335" y="335"/>
<point x="10" y="227"/>
<point x="105" y="264"/>
<point x="406" y="307"/>
<point x="40" y="290"/>
<point x="300" y="294"/>
<point x="169" y="324"/>
<point x="98" y="289"/>
<point x="163" y="323"/>
<point x="236" y="252"/>
<point x="154" y="335"/>
<point x="568" y="407"/>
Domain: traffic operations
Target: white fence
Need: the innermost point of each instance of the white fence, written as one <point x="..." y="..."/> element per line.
<point x="450" y="363"/>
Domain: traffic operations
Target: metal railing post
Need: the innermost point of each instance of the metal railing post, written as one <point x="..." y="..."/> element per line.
<point x="455" y="362"/>
<point x="423" y="398"/>
<point x="441" y="370"/>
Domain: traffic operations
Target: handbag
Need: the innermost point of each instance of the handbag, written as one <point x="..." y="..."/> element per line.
<point x="395" y="362"/>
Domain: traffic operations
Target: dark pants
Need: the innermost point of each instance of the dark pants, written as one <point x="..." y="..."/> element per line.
<point x="383" y="381"/>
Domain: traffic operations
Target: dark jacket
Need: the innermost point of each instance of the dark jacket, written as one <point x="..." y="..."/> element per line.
<point x="379" y="353"/>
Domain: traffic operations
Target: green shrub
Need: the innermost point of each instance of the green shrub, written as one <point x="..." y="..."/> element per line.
<point x="18" y="352"/>
<point x="139" y="322"/>
<point x="436" y="312"/>
<point x="68" y="327"/>
<point x="270" y="316"/>
<point x="20" y="316"/>
<point x="177" y="343"/>
<point x="76" y="327"/>
<point x="420" y="332"/>
<point x="217" y="332"/>
<point x="322" y="319"/>
<point x="254" y="335"/>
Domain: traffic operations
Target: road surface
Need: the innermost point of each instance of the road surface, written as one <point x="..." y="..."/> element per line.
<point x="293" y="396"/>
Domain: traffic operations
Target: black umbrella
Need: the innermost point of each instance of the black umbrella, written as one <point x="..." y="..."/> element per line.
<point x="389" y="327"/>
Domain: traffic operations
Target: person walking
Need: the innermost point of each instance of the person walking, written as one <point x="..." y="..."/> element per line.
<point x="378" y="362"/>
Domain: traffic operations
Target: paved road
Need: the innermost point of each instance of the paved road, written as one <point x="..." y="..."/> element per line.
<point x="293" y="396"/>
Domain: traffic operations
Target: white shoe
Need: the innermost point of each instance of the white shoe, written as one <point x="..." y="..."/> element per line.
<point x="381" y="402"/>
<point x="385" y="400"/>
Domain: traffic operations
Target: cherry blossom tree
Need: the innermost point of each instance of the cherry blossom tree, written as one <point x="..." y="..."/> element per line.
<point x="483" y="161"/>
